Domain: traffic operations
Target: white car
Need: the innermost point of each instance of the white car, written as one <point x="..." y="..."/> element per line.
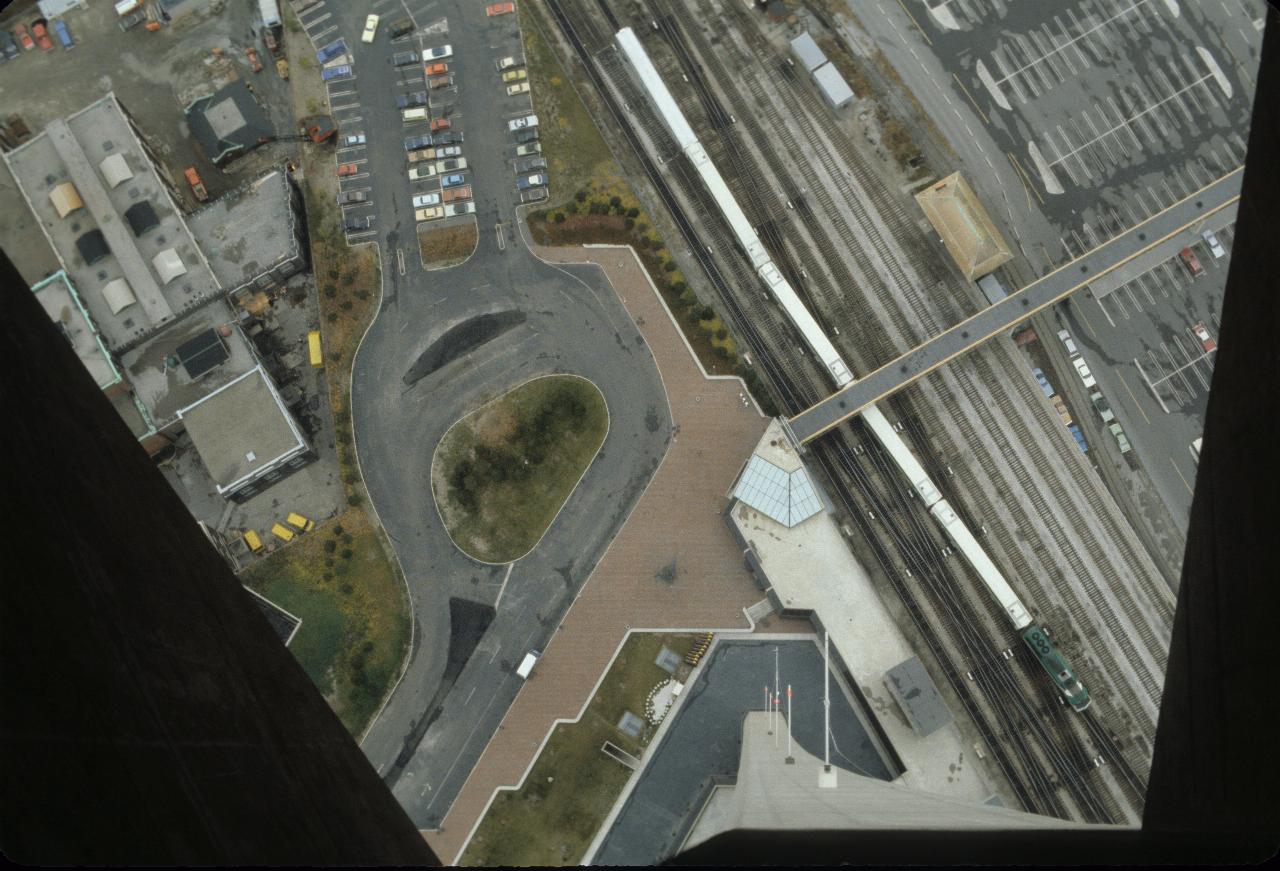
<point x="1215" y="247"/>
<point x="1083" y="368"/>
<point x="455" y="209"/>
<point x="507" y="63"/>
<point x="522" y="123"/>
<point x="449" y="151"/>
<point x="529" y="148"/>
<point x="421" y="201"/>
<point x="352" y="139"/>
<point x="370" y="28"/>
<point x="518" y="88"/>
<point x="419" y="173"/>
<point x="440" y="53"/>
<point x="1066" y="340"/>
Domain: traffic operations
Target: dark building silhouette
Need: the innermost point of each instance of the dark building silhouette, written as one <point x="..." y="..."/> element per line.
<point x="150" y="715"/>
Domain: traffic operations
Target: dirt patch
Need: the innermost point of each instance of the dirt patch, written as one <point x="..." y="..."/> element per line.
<point x="442" y="247"/>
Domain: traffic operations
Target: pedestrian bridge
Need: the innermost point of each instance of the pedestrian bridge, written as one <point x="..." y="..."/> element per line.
<point x="1160" y="233"/>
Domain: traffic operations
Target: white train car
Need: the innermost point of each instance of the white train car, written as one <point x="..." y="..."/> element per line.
<point x="665" y="106"/>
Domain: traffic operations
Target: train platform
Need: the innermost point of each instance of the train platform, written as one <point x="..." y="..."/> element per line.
<point x="809" y="568"/>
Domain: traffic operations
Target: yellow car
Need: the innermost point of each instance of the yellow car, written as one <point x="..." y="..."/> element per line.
<point x="514" y="75"/>
<point x="518" y="88"/>
<point x="301" y="522"/>
<point x="282" y="532"/>
<point x="251" y="539"/>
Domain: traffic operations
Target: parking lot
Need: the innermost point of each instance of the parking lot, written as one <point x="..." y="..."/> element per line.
<point x="405" y="102"/>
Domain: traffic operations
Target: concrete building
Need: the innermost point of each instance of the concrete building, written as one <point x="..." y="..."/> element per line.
<point x="255" y="237"/>
<point x="807" y="53"/>
<point x="245" y="436"/>
<point x="228" y="123"/>
<point x="967" y="231"/>
<point x="112" y="223"/>
<point x="835" y="90"/>
<point x="807" y="570"/>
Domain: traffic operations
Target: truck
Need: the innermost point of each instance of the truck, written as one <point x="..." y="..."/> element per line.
<point x="330" y="51"/>
<point x="532" y="181"/>
<point x="269" y="12"/>
<point x="197" y="186"/>
<point x="456" y="194"/>
<point x="526" y="666"/>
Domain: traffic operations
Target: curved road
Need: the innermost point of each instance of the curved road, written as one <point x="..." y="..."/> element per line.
<point x="438" y="720"/>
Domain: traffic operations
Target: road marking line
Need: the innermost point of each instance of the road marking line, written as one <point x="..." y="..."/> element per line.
<point x="985" y="119"/>
<point x="924" y="35"/>
<point x="1138" y="405"/>
<point x="503" y="588"/>
<point x="400" y="259"/>
<point x="1183" y="477"/>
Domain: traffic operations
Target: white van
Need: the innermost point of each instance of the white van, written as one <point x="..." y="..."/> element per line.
<point x="527" y="666"/>
<point x="418" y="114"/>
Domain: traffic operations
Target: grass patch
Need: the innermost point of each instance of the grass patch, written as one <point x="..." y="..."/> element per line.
<point x="355" y="621"/>
<point x="572" y="786"/>
<point x="501" y="474"/>
<point x="442" y="247"/>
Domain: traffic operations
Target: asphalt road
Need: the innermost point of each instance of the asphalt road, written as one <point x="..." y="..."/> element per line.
<point x="436" y="723"/>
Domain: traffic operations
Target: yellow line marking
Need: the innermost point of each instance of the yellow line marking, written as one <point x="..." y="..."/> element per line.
<point x="1088" y="324"/>
<point x="1180" y="475"/>
<point x="916" y="23"/>
<point x="1023" y="176"/>
<point x="1136" y="404"/>
<point x="975" y="342"/>
<point x="985" y="119"/>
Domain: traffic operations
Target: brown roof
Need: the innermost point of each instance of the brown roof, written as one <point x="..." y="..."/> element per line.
<point x="964" y="225"/>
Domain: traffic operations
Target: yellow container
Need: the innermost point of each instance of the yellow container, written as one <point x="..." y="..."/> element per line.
<point x="313" y="343"/>
<point x="301" y="522"/>
<point x="282" y="532"/>
<point x="251" y="539"/>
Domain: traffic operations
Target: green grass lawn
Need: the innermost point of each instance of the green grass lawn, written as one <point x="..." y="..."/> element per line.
<point x="552" y="818"/>
<point x="355" y="618"/>
<point x="501" y="473"/>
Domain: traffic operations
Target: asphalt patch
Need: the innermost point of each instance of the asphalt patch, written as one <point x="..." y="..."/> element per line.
<point x="460" y="341"/>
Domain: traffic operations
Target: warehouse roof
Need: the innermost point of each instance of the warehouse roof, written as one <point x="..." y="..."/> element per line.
<point x="918" y="697"/>
<point x="241" y="428"/>
<point x="966" y="229"/>
<point x="807" y="52"/>
<point x="229" y="122"/>
<point x="248" y="231"/>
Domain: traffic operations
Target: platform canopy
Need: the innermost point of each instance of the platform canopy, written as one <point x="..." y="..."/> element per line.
<point x="115" y="169"/>
<point x="118" y="295"/>
<point x="787" y="497"/>
<point x="168" y="265"/>
<point x="66" y="199"/>
<point x="966" y="229"/>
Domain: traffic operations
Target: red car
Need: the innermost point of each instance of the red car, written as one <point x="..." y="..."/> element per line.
<point x="1203" y="335"/>
<point x="346" y="169"/>
<point x="499" y="9"/>
<point x="40" y="30"/>
<point x="440" y="124"/>
<point x="1189" y="260"/>
<point x="24" y="38"/>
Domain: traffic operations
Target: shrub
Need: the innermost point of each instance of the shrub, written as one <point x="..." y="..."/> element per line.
<point x="630" y="223"/>
<point x="337" y="529"/>
<point x="345" y="305"/>
<point x="346" y="591"/>
<point x="580" y="196"/>
<point x="722" y="333"/>
<point x="642" y="228"/>
<point x="720" y="351"/>
<point x="354" y="499"/>
<point x="615" y="201"/>
<point x="706" y="313"/>
<point x="330" y="291"/>
<point x="330" y="545"/>
<point x="669" y="266"/>
<point x="679" y="286"/>
<point x="333" y="273"/>
<point x="633" y="212"/>
<point x="331" y="317"/>
<point x="559" y="217"/>
<point x="347" y="553"/>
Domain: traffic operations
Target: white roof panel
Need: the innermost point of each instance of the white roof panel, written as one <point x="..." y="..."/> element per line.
<point x="168" y="265"/>
<point x="118" y="295"/>
<point x="788" y="498"/>
<point x="115" y="169"/>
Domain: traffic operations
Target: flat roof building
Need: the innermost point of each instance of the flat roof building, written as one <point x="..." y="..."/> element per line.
<point x="228" y="123"/>
<point x="109" y="218"/>
<point x="918" y="697"/>
<point x="967" y="231"/>
<point x="254" y="237"/>
<point x="245" y="435"/>
<point x="807" y="52"/>
<point x="835" y="90"/>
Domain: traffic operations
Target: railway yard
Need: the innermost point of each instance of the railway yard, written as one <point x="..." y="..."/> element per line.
<point x="843" y="231"/>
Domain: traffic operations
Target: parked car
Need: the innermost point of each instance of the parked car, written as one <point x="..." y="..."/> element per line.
<point x="456" y="209"/>
<point x="1121" y="440"/>
<point x="438" y="53"/>
<point x="9" y="47"/>
<point x="1190" y="260"/>
<point x="370" y="28"/>
<point x="351" y="140"/>
<point x="24" y="38"/>
<point x="531" y="164"/>
<point x="1104" y="409"/>
<point x="1215" y="247"/>
<point x="330" y="51"/>
<point x="421" y="201"/>
<point x="1203" y="335"/>
<point x="413" y="143"/>
<point x="1065" y="337"/>
<point x="355" y="223"/>
<point x="499" y="9"/>
<point x="448" y="137"/>
<point x="440" y="124"/>
<point x="428" y="214"/>
<point x="529" y="148"/>
<point x="408" y="101"/>
<point x="64" y="34"/>
<point x="454" y="165"/>
<point x="436" y="69"/>
<point x="450" y="151"/>
<point x="404" y="59"/>
<point x="508" y="62"/>
<point x="421" y="154"/>
<point x="421" y="173"/>
<point x="1085" y="375"/>
<point x="522" y="123"/>
<point x="520" y="88"/>
<point x="533" y="181"/>
<point x="515" y="75"/>
<point x="346" y="169"/>
<point x="1045" y="387"/>
<point x="348" y="197"/>
<point x="528" y="135"/>
<point x="439" y="82"/>
<point x="40" y="30"/>
<point x="453" y="180"/>
<point x="342" y="71"/>
<point x="400" y="27"/>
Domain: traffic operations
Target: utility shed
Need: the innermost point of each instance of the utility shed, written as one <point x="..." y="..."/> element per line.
<point x="65" y="199"/>
<point x="966" y="229"/>
<point x="807" y="52"/>
<point x="918" y="697"/>
<point x="834" y="88"/>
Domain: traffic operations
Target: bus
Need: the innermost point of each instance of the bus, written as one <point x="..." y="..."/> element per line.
<point x="313" y="344"/>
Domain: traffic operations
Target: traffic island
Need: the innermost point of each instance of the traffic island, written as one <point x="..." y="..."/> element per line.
<point x="442" y="247"/>
<point x="501" y="474"/>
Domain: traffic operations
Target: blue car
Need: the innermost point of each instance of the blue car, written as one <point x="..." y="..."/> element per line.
<point x="454" y="180"/>
<point x="413" y="143"/>
<point x="332" y="50"/>
<point x="64" y="35"/>
<point x="341" y="72"/>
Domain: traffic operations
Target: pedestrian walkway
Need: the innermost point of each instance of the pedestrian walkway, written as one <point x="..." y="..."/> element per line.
<point x="672" y="565"/>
